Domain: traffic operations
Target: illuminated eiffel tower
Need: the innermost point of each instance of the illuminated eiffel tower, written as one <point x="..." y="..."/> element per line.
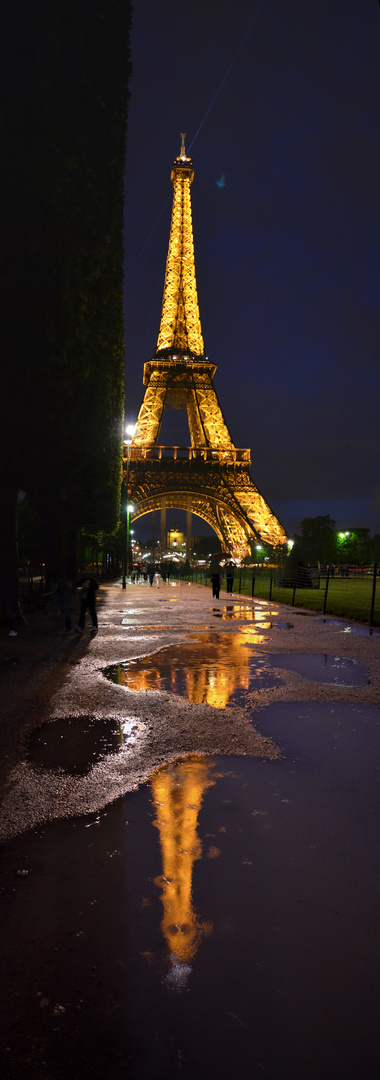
<point x="210" y="477"/>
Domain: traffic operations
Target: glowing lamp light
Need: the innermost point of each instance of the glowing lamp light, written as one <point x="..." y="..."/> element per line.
<point x="129" y="433"/>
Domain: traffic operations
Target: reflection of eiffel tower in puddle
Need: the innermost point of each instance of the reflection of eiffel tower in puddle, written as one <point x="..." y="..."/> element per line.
<point x="178" y="790"/>
<point x="206" y="671"/>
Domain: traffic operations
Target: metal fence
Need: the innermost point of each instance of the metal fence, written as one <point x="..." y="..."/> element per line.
<point x="352" y="592"/>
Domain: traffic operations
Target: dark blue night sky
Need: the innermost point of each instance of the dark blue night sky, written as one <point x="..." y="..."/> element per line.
<point x="286" y="228"/>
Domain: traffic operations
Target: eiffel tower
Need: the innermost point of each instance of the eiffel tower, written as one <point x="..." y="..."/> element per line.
<point x="210" y="477"/>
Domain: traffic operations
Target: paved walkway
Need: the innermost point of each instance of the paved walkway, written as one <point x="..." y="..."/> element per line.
<point x="45" y="676"/>
<point x="117" y="953"/>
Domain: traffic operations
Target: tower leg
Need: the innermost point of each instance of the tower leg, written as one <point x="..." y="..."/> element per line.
<point x="188" y="533"/>
<point x="163" y="527"/>
<point x="154" y="535"/>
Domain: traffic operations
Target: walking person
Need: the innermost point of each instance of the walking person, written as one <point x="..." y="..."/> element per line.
<point x="230" y="568"/>
<point x="87" y="601"/>
<point x="215" y="581"/>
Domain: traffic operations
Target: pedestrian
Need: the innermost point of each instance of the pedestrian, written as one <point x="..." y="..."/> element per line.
<point x="88" y="595"/>
<point x="157" y="578"/>
<point x="215" y="581"/>
<point x="230" y="568"/>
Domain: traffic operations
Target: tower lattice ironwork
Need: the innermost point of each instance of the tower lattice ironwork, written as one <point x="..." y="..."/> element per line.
<point x="210" y="477"/>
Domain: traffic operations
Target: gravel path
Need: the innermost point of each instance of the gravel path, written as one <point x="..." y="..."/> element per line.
<point x="63" y="678"/>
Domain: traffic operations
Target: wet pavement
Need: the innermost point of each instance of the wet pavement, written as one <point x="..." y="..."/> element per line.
<point x="191" y="885"/>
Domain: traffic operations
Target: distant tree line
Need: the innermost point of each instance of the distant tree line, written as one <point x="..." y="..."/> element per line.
<point x="319" y="542"/>
<point x="61" y="409"/>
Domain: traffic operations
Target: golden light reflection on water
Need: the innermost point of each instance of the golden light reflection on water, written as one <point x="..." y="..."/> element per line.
<point x="206" y="671"/>
<point x="246" y="613"/>
<point x="178" y="791"/>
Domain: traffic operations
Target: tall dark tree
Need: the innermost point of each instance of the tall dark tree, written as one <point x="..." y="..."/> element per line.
<point x="62" y="279"/>
<point x="316" y="543"/>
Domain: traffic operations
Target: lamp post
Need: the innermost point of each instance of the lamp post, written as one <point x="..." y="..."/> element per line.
<point x="130" y="509"/>
<point x="129" y="431"/>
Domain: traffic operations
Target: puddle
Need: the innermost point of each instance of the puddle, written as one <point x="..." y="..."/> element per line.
<point x="178" y="790"/>
<point x="75" y="744"/>
<point x="208" y="670"/>
<point x="357" y="629"/>
<point x="161" y="626"/>
<point x="319" y="667"/>
<point x="216" y="670"/>
<point x="223" y="919"/>
<point x="245" y="613"/>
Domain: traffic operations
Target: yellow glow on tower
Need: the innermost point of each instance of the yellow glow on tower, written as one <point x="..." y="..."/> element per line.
<point x="180" y="328"/>
<point x="210" y="475"/>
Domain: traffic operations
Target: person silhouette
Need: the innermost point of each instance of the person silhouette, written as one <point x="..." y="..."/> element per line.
<point x="88" y="595"/>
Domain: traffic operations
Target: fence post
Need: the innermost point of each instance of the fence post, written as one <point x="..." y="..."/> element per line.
<point x="270" y="587"/>
<point x="373" y="598"/>
<point x="326" y="589"/>
<point x="253" y="585"/>
<point x="240" y="582"/>
<point x="294" y="593"/>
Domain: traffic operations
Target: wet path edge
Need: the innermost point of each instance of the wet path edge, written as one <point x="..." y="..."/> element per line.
<point x="86" y="957"/>
<point x="285" y="976"/>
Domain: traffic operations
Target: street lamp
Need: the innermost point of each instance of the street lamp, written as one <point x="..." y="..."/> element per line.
<point x="129" y="431"/>
<point x="130" y="509"/>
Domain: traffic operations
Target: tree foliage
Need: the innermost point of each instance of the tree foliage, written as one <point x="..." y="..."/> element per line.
<point x="62" y="412"/>
<point x="319" y="542"/>
<point x="316" y="542"/>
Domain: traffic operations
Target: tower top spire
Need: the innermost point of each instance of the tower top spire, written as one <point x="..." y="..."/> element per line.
<point x="180" y="327"/>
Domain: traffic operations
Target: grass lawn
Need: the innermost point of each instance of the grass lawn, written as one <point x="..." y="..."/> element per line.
<point x="348" y="597"/>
